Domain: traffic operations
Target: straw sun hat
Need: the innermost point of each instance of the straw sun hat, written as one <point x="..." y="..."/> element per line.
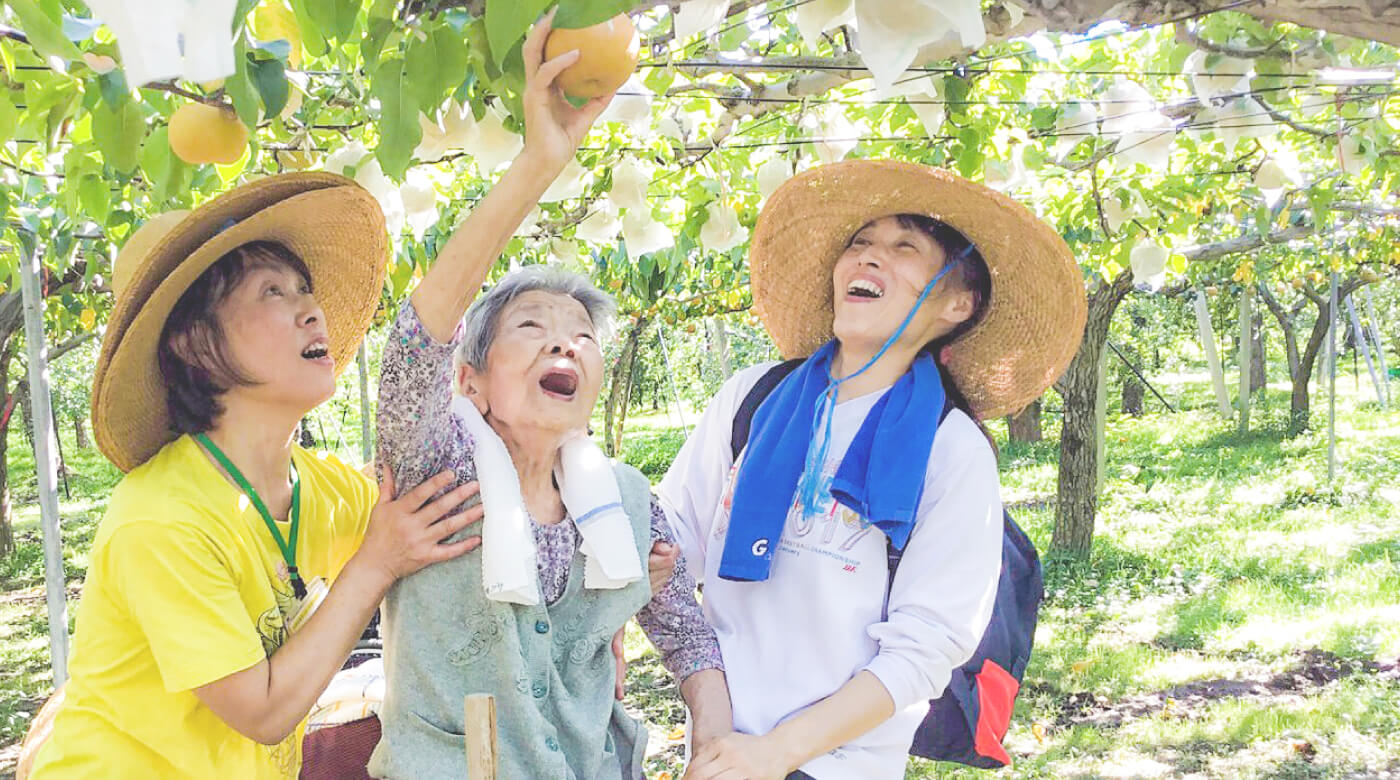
<point x="331" y="223"/>
<point x="1032" y="325"/>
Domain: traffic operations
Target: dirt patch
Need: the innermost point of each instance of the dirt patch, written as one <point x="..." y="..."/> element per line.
<point x="1030" y="503"/>
<point x="9" y="756"/>
<point x="1314" y="670"/>
<point x="36" y="593"/>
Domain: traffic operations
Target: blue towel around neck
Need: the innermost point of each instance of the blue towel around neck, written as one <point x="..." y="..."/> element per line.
<point x="881" y="476"/>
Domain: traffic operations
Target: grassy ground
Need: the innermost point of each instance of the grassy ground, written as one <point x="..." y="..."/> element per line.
<point x="1240" y="617"/>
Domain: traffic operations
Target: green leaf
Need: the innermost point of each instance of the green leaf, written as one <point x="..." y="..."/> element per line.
<point x="270" y="79"/>
<point x="970" y="156"/>
<point x="955" y="91"/>
<point x="312" y="40"/>
<point x="1321" y="202"/>
<point x="96" y="198"/>
<point x="335" y="18"/>
<point x="59" y="114"/>
<point x="574" y="14"/>
<point x="400" y="275"/>
<point x="114" y="90"/>
<point x="280" y="48"/>
<point x="7" y="58"/>
<point x="381" y="32"/>
<point x="45" y="30"/>
<point x="240" y="89"/>
<point x="9" y="116"/>
<point x="507" y="21"/>
<point x="165" y="172"/>
<point x="436" y="65"/>
<point x="399" y="131"/>
<point x="118" y="134"/>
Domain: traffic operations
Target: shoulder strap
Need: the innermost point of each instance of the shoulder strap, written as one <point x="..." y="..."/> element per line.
<point x="743" y="419"/>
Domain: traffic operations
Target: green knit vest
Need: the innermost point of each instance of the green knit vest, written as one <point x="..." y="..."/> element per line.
<point x="550" y="668"/>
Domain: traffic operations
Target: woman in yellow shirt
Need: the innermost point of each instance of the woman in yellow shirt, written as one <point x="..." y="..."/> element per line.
<point x="233" y="571"/>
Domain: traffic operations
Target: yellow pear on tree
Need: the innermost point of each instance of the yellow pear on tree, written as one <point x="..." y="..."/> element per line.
<point x="296" y="159"/>
<point x="272" y="20"/>
<point x="608" y="53"/>
<point x="201" y="133"/>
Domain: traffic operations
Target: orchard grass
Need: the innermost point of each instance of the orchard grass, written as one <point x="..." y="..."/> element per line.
<point x="1239" y="618"/>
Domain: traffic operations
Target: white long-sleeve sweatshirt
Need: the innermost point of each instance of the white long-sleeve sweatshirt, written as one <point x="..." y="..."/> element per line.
<point x="819" y="619"/>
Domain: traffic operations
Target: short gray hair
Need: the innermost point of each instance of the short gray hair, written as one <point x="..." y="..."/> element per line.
<point x="483" y="318"/>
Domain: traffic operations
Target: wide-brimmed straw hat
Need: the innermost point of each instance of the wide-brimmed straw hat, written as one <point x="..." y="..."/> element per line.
<point x="331" y="223"/>
<point x="1031" y="327"/>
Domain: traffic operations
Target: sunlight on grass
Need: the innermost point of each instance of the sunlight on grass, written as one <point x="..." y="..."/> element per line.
<point x="1220" y="558"/>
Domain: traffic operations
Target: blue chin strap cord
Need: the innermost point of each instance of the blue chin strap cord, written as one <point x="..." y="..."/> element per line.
<point x="819" y="444"/>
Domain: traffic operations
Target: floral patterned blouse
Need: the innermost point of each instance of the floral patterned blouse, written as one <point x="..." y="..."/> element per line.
<point x="419" y="435"/>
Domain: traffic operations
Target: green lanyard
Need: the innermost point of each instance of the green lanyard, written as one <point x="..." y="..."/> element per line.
<point x="287" y="546"/>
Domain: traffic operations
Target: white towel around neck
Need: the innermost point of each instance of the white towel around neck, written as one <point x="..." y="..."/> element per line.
<point x="588" y="488"/>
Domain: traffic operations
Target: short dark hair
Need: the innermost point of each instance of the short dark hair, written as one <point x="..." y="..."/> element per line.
<point x="193" y="354"/>
<point x="970" y="273"/>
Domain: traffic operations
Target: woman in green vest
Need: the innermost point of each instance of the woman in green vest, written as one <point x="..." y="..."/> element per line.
<point x="505" y="396"/>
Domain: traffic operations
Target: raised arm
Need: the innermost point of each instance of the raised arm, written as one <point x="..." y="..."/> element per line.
<point x="553" y="131"/>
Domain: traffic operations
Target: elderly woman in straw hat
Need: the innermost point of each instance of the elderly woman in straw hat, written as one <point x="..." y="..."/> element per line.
<point x="233" y="571"/>
<point x="909" y="291"/>
<point x="504" y="395"/>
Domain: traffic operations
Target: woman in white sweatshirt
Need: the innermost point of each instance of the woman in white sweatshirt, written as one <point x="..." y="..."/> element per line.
<point x="922" y="303"/>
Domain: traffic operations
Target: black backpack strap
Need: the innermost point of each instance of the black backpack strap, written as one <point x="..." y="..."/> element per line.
<point x="743" y="419"/>
<point x="891" y="552"/>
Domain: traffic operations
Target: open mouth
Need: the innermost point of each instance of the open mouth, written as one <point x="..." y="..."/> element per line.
<point x="864" y="288"/>
<point x="560" y="383"/>
<point x="318" y="351"/>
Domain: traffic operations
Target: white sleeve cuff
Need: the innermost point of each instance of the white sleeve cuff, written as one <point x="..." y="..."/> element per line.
<point x="906" y="683"/>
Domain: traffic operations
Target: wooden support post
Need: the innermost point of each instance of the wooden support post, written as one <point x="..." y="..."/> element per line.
<point x="1246" y="359"/>
<point x="45" y="463"/>
<point x="1375" y="327"/>
<point x="1217" y="374"/>
<point x="1101" y="423"/>
<point x="482" y="760"/>
<point x="721" y="346"/>
<point x="1332" y="315"/>
<point x="1361" y="340"/>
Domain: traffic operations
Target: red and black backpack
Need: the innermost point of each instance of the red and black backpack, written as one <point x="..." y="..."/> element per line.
<point x="968" y="722"/>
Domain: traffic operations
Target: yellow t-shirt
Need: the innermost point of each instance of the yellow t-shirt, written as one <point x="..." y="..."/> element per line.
<point x="186" y="586"/>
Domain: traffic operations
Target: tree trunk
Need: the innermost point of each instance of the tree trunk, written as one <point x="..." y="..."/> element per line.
<point x="619" y="390"/>
<point x="629" y="384"/>
<point x="1024" y="428"/>
<point x="1133" y="395"/>
<point x="1134" y="391"/>
<point x="80" y="436"/>
<point x="1299" y="406"/>
<point x="1259" y="374"/>
<point x="1373" y="20"/>
<point x="1318" y="337"/>
<point x="1298" y="399"/>
<point x="1077" y="498"/>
